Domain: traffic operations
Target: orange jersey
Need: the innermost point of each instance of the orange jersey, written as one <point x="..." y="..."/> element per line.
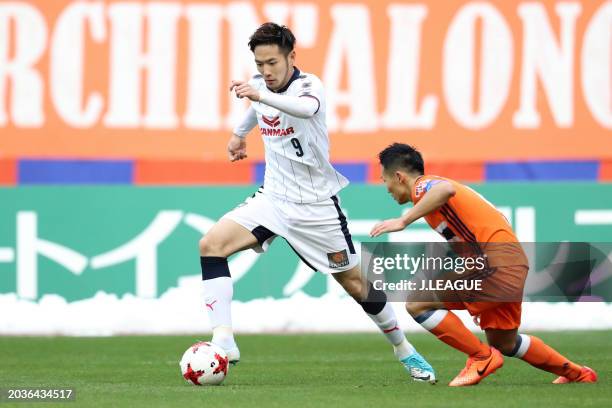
<point x="467" y="216"/>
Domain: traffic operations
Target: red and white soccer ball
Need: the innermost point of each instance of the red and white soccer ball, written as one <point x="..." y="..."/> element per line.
<point x="204" y="363"/>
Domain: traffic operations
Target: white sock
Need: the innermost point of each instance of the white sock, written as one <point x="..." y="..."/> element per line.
<point x="403" y="350"/>
<point x="223" y="336"/>
<point x="387" y="323"/>
<point x="218" y="293"/>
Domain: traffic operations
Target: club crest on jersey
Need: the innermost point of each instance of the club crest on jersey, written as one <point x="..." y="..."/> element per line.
<point x="306" y="88"/>
<point x="421" y="188"/>
<point x="338" y="259"/>
<point x="425" y="186"/>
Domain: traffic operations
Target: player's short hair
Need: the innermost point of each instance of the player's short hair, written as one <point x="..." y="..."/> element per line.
<point x="272" y="33"/>
<point x="400" y="156"/>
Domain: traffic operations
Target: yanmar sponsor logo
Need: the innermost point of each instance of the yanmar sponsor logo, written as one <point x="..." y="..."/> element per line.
<point x="277" y="132"/>
<point x="274" y="122"/>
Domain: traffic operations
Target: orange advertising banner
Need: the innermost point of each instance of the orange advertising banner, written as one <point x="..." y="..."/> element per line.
<point x="462" y="80"/>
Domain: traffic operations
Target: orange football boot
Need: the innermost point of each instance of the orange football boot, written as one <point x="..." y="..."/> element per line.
<point x="476" y="370"/>
<point x="587" y="375"/>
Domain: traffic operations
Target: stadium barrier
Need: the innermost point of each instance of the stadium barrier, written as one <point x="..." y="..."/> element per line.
<point x="470" y="81"/>
<point x="123" y="250"/>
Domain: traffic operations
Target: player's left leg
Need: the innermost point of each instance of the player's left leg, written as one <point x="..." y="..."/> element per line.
<point x="540" y="355"/>
<point x="319" y="234"/>
<point x="374" y="303"/>
<point x="501" y="325"/>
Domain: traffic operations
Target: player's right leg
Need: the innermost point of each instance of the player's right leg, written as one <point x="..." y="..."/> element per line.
<point x="249" y="225"/>
<point x="225" y="238"/>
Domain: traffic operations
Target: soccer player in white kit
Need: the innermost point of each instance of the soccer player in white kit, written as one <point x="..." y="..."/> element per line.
<point x="298" y="199"/>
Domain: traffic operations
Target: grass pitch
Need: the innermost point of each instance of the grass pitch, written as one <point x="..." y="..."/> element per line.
<point x="348" y="370"/>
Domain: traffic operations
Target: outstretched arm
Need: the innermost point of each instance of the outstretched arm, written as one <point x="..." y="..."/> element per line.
<point x="436" y="197"/>
<point x="304" y="107"/>
<point x="299" y="106"/>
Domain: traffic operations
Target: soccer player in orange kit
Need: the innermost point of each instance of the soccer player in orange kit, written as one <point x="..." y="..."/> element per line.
<point x="463" y="216"/>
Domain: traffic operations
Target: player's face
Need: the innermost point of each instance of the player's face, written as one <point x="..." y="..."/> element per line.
<point x="275" y="66"/>
<point x="396" y="186"/>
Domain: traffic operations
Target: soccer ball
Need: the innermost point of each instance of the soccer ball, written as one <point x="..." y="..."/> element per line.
<point x="204" y="363"/>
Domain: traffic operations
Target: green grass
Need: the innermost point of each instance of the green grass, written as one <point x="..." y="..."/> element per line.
<point x="351" y="370"/>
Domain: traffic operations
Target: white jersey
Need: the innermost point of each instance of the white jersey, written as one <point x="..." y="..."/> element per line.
<point x="296" y="149"/>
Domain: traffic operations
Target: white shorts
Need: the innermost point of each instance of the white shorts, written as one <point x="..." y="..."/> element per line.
<point x="317" y="232"/>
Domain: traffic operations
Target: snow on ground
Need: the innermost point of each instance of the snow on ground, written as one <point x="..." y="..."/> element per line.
<point x="181" y="311"/>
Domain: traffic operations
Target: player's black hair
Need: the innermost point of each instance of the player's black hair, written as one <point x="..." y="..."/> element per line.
<point x="272" y="33"/>
<point x="401" y="156"/>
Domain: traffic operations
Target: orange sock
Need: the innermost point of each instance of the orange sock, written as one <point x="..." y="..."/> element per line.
<point x="542" y="356"/>
<point x="449" y="328"/>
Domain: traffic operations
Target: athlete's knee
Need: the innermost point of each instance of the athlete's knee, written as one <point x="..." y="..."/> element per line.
<point x="506" y="347"/>
<point x="503" y="341"/>
<point x="417" y="308"/>
<point x="210" y="245"/>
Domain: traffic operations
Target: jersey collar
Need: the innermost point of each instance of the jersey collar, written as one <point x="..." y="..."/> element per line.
<point x="296" y="75"/>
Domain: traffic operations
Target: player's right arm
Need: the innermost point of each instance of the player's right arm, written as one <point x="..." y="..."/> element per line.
<point x="434" y="198"/>
<point x="236" y="147"/>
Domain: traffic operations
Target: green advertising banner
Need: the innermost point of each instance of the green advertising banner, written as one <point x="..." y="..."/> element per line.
<point x="76" y="241"/>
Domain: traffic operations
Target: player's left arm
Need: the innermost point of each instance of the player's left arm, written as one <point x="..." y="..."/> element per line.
<point x="434" y="198"/>
<point x="304" y="106"/>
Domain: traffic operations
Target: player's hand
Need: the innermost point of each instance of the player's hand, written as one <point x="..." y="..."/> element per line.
<point x="236" y="148"/>
<point x="243" y="89"/>
<point x="392" y="225"/>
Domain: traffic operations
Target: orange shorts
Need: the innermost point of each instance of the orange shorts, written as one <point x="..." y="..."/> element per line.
<point x="493" y="315"/>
